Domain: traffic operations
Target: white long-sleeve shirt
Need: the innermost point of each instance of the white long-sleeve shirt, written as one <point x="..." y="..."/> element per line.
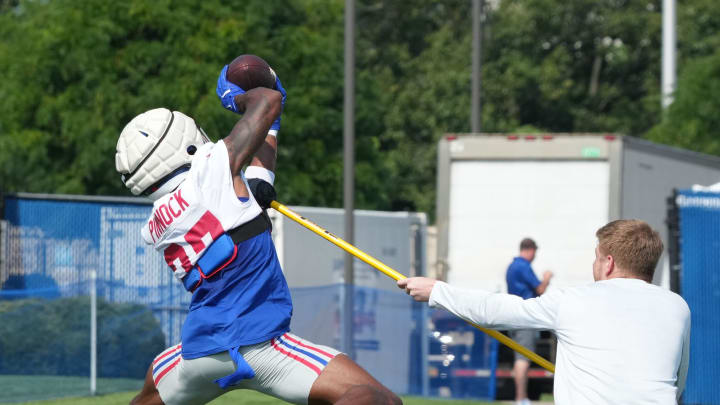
<point x="620" y="341"/>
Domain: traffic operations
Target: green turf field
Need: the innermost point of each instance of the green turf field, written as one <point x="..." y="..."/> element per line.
<point x="234" y="398"/>
<point x="17" y="388"/>
<point x="37" y="390"/>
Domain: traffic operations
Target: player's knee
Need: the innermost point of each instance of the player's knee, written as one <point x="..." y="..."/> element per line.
<point x="387" y="397"/>
<point x="374" y="395"/>
<point x="394" y="399"/>
<point x="138" y="400"/>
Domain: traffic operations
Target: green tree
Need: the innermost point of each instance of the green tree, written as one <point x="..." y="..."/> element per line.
<point x="578" y="66"/>
<point x="75" y="73"/>
<point x="554" y="65"/>
<point x="692" y="120"/>
<point x="419" y="54"/>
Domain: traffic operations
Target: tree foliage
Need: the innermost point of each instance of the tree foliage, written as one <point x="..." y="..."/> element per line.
<point x="50" y="336"/>
<point x="76" y="72"/>
<point x="72" y="85"/>
<point x="579" y="66"/>
<point x="692" y="120"/>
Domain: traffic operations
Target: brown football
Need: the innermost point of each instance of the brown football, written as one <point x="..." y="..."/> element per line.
<point x="250" y="71"/>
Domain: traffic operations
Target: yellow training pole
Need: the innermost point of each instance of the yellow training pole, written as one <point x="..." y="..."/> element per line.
<point x="397" y="276"/>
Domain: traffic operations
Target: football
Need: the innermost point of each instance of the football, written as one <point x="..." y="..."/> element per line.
<point x="250" y="71"/>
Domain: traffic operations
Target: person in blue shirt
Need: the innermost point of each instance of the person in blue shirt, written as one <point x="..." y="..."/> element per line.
<point x="523" y="282"/>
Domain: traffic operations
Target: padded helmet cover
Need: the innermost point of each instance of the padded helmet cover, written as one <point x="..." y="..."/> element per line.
<point x="155" y="144"/>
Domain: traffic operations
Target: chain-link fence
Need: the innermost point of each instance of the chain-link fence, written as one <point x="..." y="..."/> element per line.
<point x="85" y="305"/>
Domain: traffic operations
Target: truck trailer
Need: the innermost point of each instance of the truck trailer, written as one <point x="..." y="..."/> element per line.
<point x="494" y="190"/>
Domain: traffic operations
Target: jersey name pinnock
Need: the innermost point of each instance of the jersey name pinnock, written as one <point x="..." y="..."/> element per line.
<point x="165" y="214"/>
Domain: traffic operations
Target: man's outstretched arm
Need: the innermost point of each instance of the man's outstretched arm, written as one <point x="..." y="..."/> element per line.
<point x="492" y="310"/>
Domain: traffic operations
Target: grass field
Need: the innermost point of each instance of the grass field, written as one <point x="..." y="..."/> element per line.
<point x="38" y="390"/>
<point x="240" y="397"/>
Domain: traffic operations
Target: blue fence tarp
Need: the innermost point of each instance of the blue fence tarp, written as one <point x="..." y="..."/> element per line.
<point x="700" y="286"/>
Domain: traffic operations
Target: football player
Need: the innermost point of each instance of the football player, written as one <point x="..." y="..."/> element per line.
<point x="208" y="222"/>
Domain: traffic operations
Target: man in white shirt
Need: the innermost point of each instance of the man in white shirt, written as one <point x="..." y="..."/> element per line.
<point x="621" y="339"/>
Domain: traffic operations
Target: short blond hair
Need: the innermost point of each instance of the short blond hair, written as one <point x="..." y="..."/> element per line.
<point x="633" y="244"/>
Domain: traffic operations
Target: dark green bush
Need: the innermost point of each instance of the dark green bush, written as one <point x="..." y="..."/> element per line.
<point x="40" y="336"/>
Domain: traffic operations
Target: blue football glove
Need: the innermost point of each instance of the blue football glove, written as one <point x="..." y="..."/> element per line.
<point x="275" y="127"/>
<point x="227" y="91"/>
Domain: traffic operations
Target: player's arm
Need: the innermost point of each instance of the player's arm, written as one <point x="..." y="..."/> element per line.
<point x="260" y="107"/>
<point x="266" y="156"/>
<point x="261" y="172"/>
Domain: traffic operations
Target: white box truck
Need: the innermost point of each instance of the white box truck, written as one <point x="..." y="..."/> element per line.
<point x="494" y="190"/>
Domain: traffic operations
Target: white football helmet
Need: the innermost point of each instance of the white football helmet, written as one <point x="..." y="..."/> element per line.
<point x="155" y="149"/>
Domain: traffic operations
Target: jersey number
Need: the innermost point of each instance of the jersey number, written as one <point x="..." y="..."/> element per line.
<point x="207" y="226"/>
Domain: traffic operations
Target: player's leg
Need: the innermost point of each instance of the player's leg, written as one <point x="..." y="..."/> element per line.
<point x="173" y="380"/>
<point x="301" y="372"/>
<point x="149" y="395"/>
<point x="527" y="338"/>
<point x="520" y="369"/>
<point x="344" y="382"/>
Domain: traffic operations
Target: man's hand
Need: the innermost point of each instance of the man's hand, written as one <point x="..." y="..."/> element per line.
<point x="263" y="192"/>
<point x="544" y="283"/>
<point x="417" y="287"/>
<point x="227" y="91"/>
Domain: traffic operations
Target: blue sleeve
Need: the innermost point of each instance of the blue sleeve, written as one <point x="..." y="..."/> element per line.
<point x="529" y="278"/>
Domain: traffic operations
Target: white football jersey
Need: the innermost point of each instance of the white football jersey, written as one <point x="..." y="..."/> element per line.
<point x="186" y="221"/>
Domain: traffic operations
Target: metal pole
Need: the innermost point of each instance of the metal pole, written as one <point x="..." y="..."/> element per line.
<point x="476" y="64"/>
<point x="673" y="247"/>
<point x="669" y="47"/>
<point x="349" y="172"/>
<point x="420" y="254"/>
<point x="93" y="332"/>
